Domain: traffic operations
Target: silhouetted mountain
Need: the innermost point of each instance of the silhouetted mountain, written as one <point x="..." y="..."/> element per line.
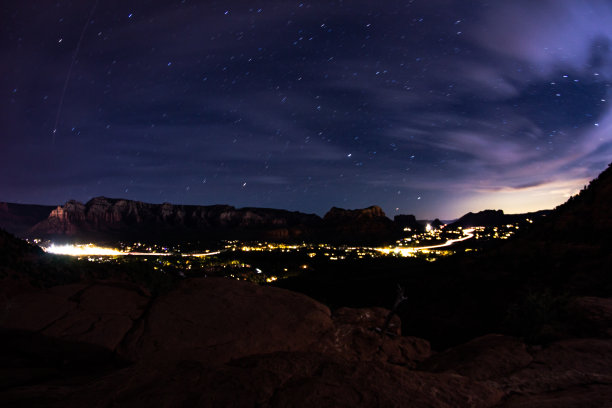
<point x="13" y="249"/>
<point x="585" y="217"/>
<point x="356" y="226"/>
<point x="483" y="218"/>
<point x="105" y="219"/>
<point x="24" y="262"/>
<point x="19" y="218"/>
<point x="436" y="224"/>
<point x="491" y="218"/>
<point x="408" y="221"/>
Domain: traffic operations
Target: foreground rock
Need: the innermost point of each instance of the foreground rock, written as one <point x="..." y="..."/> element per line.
<point x="569" y="373"/>
<point x="356" y="336"/>
<point x="215" y="320"/>
<point x="485" y="358"/>
<point x="99" y="314"/>
<point x="593" y="315"/>
<point x="298" y="379"/>
<point x="218" y="342"/>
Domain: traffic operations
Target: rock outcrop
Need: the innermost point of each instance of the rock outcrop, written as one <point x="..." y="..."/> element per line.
<point x="220" y="330"/>
<point x="484" y="358"/>
<point x="116" y="219"/>
<point x="211" y="320"/>
<point x="219" y="342"/>
<point x="352" y="226"/>
<point x="593" y="315"/>
<point x="568" y="373"/>
<point x="216" y="320"/>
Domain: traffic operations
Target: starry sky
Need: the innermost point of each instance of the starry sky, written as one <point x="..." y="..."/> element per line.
<point x="425" y="107"/>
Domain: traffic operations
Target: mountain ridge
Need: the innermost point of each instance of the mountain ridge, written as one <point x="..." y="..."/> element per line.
<point x="104" y="219"/>
<point x="487" y="218"/>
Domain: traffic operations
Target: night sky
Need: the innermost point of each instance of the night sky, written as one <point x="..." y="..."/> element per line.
<point x="425" y="107"/>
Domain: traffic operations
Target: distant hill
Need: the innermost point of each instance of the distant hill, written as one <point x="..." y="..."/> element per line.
<point x="352" y="226"/>
<point x="408" y="221"/>
<point x="19" y="218"/>
<point x="13" y="249"/>
<point x="491" y="218"/>
<point x="585" y="217"/>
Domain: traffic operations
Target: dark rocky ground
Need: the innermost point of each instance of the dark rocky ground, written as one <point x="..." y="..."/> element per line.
<point x="219" y="342"/>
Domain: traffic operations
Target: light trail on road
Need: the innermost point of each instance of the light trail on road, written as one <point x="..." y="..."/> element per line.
<point x="407" y="251"/>
<point x="93" y="250"/>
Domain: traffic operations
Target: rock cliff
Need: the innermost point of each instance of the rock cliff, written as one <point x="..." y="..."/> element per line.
<point x="113" y="219"/>
<point x="352" y="226"/>
<point x="105" y="219"/>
